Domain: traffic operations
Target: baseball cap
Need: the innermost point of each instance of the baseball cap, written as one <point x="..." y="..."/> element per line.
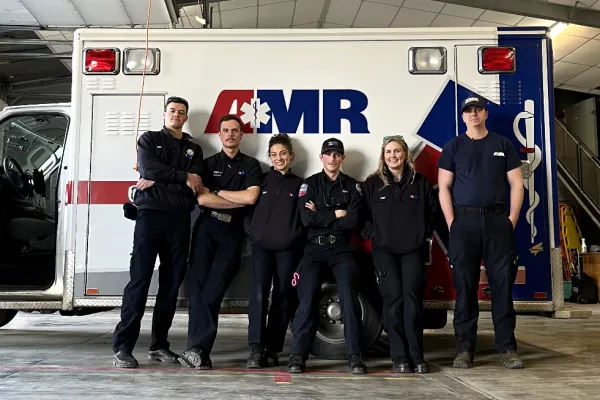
<point x="473" y="101"/>
<point x="332" y="144"/>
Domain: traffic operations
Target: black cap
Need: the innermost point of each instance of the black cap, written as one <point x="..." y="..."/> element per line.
<point x="332" y="144"/>
<point x="473" y="101"/>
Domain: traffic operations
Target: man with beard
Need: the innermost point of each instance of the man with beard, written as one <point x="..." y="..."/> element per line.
<point x="330" y="203"/>
<point x="170" y="166"/>
<point x="231" y="183"/>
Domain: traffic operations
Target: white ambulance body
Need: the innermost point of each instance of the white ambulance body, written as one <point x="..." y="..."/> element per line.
<point x="358" y="85"/>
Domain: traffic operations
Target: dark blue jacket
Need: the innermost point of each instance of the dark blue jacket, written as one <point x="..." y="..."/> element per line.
<point x="167" y="161"/>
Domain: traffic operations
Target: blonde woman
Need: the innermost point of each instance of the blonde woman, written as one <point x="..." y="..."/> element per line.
<point x="401" y="204"/>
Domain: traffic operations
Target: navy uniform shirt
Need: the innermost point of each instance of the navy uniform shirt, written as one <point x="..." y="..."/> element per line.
<point x="479" y="168"/>
<point x="234" y="174"/>
<point x="167" y="161"/>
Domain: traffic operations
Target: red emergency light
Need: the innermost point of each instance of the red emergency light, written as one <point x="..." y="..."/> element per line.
<point x="101" y="61"/>
<point x="497" y="59"/>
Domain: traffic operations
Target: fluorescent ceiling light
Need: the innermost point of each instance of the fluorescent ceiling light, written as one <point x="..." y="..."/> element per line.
<point x="556" y="29"/>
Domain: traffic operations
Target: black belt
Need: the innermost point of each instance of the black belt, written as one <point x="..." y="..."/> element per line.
<point x="480" y="210"/>
<point x="326" y="239"/>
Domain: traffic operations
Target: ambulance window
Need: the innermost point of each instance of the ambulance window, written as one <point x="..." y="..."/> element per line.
<point x="35" y="141"/>
<point x="427" y="60"/>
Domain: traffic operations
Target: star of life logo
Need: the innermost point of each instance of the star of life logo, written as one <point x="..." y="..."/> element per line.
<point x="255" y="113"/>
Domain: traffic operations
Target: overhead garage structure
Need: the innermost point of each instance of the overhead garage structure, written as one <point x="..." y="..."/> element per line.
<point x="30" y="29"/>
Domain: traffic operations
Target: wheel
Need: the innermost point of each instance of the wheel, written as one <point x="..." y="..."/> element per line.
<point x="6" y="316"/>
<point x="434" y="319"/>
<point x="329" y="342"/>
<point x="582" y="299"/>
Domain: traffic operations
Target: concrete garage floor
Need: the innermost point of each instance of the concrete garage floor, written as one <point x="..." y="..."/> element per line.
<point x="56" y="357"/>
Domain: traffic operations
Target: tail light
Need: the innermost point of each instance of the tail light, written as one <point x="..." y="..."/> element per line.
<point x="496" y="60"/>
<point x="101" y="61"/>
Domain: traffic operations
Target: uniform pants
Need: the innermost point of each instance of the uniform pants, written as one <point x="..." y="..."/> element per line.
<point x="214" y="262"/>
<point x="165" y="235"/>
<point x="277" y="267"/>
<point x="490" y="237"/>
<point x="402" y="280"/>
<point x="346" y="273"/>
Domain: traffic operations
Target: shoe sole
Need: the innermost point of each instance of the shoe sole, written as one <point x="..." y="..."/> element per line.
<point x="519" y="366"/>
<point x="165" y="360"/>
<point x="120" y="364"/>
<point x="461" y="366"/>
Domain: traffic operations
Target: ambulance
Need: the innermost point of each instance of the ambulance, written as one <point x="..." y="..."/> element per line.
<point x="68" y="169"/>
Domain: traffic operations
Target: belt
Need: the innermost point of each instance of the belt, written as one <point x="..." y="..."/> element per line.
<point x="326" y="239"/>
<point x="480" y="210"/>
<point x="221" y="216"/>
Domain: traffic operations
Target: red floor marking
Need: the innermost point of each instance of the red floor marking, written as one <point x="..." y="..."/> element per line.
<point x="281" y="377"/>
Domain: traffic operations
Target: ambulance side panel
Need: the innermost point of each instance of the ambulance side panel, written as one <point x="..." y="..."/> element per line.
<point x="338" y="91"/>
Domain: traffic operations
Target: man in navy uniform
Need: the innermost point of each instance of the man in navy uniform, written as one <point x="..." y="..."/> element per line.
<point x="231" y="182"/>
<point x="170" y="165"/>
<point x="474" y="171"/>
<point x="330" y="203"/>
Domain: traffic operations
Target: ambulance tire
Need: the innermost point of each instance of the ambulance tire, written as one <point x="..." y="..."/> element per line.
<point x="329" y="342"/>
<point x="6" y="316"/>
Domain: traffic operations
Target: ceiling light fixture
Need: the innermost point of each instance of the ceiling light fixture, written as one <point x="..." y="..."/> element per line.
<point x="556" y="29"/>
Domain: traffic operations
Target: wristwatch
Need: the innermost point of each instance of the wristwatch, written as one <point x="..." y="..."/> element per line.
<point x="216" y="191"/>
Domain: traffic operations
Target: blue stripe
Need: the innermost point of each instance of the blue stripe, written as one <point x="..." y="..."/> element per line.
<point x="522" y="28"/>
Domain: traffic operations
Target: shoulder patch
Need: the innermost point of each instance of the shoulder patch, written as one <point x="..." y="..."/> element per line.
<point x="359" y="189"/>
<point x="303" y="190"/>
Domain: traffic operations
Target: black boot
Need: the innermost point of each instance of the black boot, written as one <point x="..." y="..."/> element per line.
<point x="296" y="365"/>
<point x="271" y="358"/>
<point x="257" y="357"/>
<point x="401" y="365"/>
<point x="356" y="364"/>
<point x="124" y="359"/>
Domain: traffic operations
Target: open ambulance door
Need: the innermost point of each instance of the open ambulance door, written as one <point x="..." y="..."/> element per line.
<point x="31" y="152"/>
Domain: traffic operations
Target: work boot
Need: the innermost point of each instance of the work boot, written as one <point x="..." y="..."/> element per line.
<point x="195" y="358"/>
<point x="164" y="355"/>
<point x="510" y="359"/>
<point x="124" y="359"/>
<point x="296" y="365"/>
<point x="356" y="364"/>
<point x="257" y="357"/>
<point x="401" y="365"/>
<point x="421" y="367"/>
<point x="271" y="358"/>
<point x="464" y="359"/>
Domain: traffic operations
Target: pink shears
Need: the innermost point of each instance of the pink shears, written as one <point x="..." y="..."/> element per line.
<point x="296" y="279"/>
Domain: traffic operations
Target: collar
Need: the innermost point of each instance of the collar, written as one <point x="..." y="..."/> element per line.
<point x="239" y="155"/>
<point x="406" y="176"/>
<point x="184" y="136"/>
<point x="340" y="178"/>
<point x="279" y="174"/>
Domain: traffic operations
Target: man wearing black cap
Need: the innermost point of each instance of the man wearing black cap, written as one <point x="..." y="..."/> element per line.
<point x="474" y="170"/>
<point x="330" y="203"/>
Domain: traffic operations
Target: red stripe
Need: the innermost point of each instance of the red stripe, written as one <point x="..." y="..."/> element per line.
<point x="100" y="192"/>
<point x="426" y="163"/>
<point x="281" y="377"/>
